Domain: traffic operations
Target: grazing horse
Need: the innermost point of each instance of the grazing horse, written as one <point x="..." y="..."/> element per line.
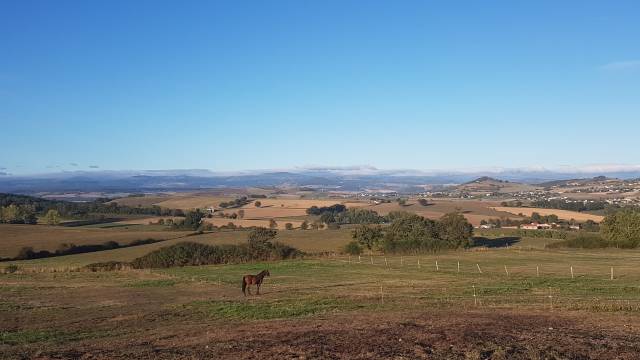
<point x="256" y="280"/>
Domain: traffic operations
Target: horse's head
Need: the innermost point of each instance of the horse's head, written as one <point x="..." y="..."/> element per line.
<point x="266" y="273"/>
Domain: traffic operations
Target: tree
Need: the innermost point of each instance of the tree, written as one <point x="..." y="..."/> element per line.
<point x="327" y="218"/>
<point x="304" y="225"/>
<point x="402" y="202"/>
<point x="368" y="236"/>
<point x="272" y="224"/>
<point x="52" y="217"/>
<point x="261" y="235"/>
<point x="622" y="228"/>
<point x="10" y="214"/>
<point x="288" y="226"/>
<point x="456" y="230"/>
<point x="353" y="248"/>
<point x="241" y="213"/>
<point x="28" y="215"/>
<point x="257" y="204"/>
<point x="192" y="219"/>
<point x="423" y="202"/>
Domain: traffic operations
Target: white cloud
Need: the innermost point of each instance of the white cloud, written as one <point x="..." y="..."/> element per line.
<point x="622" y="65"/>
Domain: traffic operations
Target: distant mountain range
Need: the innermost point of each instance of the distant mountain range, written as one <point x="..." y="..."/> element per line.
<point x="345" y="179"/>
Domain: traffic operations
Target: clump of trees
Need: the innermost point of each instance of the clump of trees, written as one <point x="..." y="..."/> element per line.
<point x="76" y="210"/>
<point x="409" y="233"/>
<point x="622" y="228"/>
<point x="564" y="204"/>
<point x="235" y="203"/>
<point x="18" y="214"/>
<point x="333" y="209"/>
<point x="191" y="221"/>
<point x="259" y="247"/>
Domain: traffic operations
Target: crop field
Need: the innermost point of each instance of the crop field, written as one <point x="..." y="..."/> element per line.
<point x="497" y="303"/>
<point x="312" y="241"/>
<point x="562" y="214"/>
<point x="43" y="237"/>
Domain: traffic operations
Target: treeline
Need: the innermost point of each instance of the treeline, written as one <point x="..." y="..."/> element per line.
<point x="18" y="214"/>
<point x="82" y="210"/>
<point x="259" y="247"/>
<point x="333" y="209"/>
<point x="563" y="204"/>
<point x="28" y="253"/>
<point x="411" y="233"/>
<point x="235" y="203"/>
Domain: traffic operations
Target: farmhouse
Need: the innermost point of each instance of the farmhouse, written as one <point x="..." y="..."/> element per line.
<point x="535" y="226"/>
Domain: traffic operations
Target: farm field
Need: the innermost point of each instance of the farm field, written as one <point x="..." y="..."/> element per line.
<point x="293" y="207"/>
<point x="43" y="237"/>
<point x="562" y="214"/>
<point x="336" y="307"/>
<point x="312" y="241"/>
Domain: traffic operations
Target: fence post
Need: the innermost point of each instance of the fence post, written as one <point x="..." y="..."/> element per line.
<point x="612" y="273"/>
<point x="458" y="266"/>
<point x="349" y="259"/>
<point x="359" y="259"/>
<point x="505" y="270"/>
<point x="371" y="257"/>
<point x="418" y="263"/>
<point x="478" y="265"/>
<point x="381" y="295"/>
<point x="401" y="260"/>
<point x="385" y="262"/>
<point x="550" y="299"/>
<point x="572" y="271"/>
<point x="475" y="299"/>
<point x="537" y="271"/>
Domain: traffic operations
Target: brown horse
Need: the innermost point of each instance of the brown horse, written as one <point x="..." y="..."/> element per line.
<point x="256" y="280"/>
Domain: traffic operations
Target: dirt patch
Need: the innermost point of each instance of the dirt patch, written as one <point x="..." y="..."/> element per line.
<point x="495" y="334"/>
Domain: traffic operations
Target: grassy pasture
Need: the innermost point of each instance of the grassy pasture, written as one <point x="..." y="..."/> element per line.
<point x="106" y="311"/>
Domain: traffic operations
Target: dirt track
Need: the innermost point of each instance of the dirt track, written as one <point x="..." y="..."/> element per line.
<point x="495" y="334"/>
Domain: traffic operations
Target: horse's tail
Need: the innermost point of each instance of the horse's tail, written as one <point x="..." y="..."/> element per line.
<point x="244" y="287"/>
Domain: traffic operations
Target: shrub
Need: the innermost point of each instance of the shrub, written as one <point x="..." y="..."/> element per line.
<point x="190" y="253"/>
<point x="353" y="248"/>
<point x="583" y="241"/>
<point x="10" y="269"/>
<point x="288" y="226"/>
<point x="108" y="266"/>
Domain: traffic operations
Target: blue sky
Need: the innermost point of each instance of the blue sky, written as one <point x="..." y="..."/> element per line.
<point x="275" y="84"/>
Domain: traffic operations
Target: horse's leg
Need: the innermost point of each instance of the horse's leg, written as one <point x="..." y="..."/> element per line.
<point x="249" y="289"/>
<point x="258" y="286"/>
